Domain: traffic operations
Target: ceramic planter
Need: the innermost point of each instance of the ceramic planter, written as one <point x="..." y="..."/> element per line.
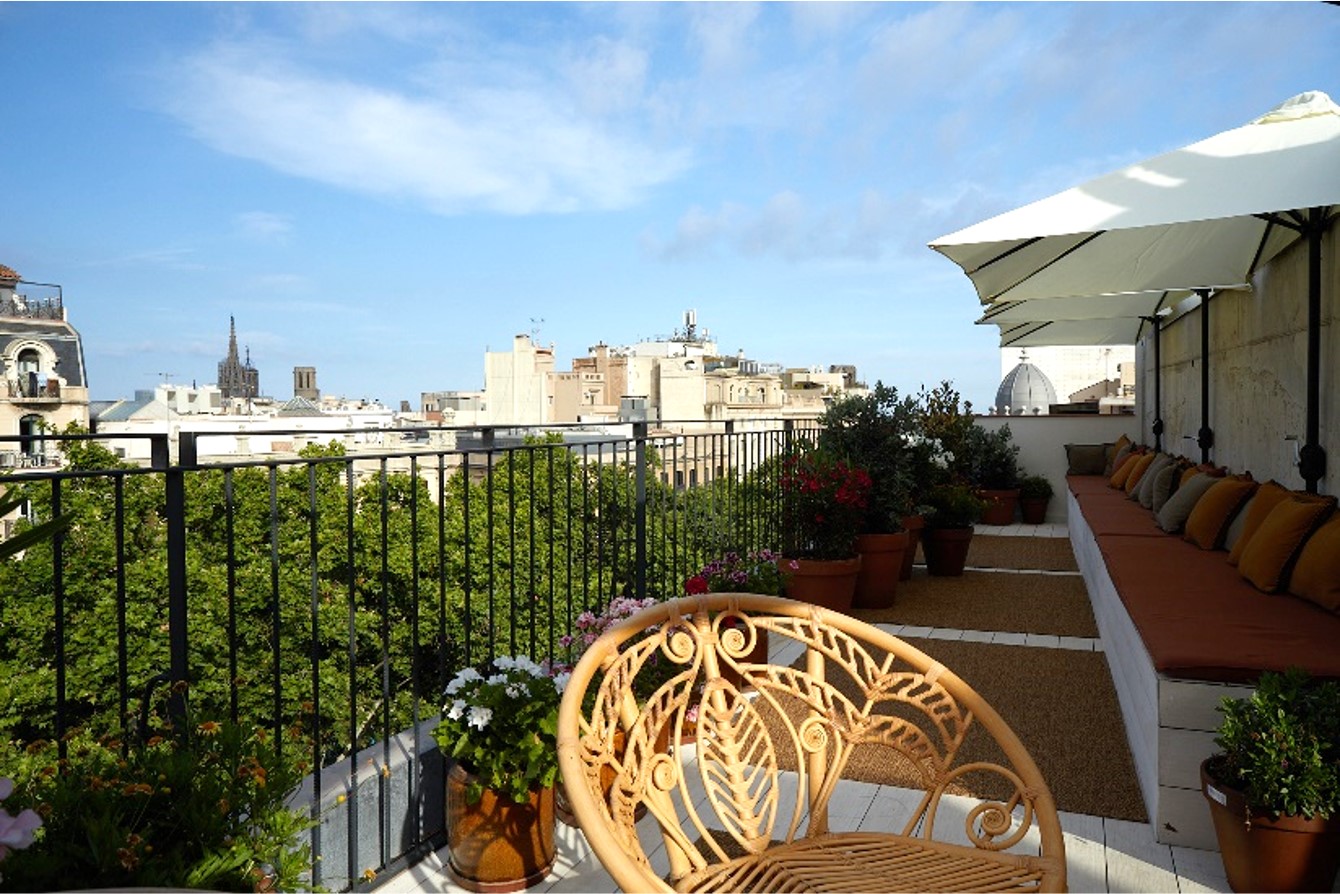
<point x="827" y="583"/>
<point x="881" y="569"/>
<point x="1291" y="853"/>
<point x="1033" y="510"/>
<point x="496" y="845"/>
<point x="1000" y="506"/>
<point x="946" y="550"/>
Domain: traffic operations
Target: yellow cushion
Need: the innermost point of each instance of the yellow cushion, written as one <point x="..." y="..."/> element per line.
<point x="1119" y="448"/>
<point x="1209" y="520"/>
<point x="1133" y="479"/>
<point x="1267" y="497"/>
<point x="1265" y="561"/>
<point x="1316" y="576"/>
<point x="1123" y="470"/>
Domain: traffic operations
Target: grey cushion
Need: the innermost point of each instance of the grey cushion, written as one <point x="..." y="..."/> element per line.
<point x="1238" y="525"/>
<point x="1172" y="517"/>
<point x="1145" y="492"/>
<point x="1086" y="459"/>
<point x="1165" y="485"/>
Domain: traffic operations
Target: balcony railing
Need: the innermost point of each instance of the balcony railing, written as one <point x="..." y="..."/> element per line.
<point x="338" y="593"/>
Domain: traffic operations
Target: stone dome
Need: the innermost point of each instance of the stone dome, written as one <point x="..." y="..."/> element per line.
<point x="1025" y="391"/>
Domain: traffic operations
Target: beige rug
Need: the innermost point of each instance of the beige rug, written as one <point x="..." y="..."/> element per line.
<point x="1035" y="553"/>
<point x="985" y="600"/>
<point x="1060" y="703"/>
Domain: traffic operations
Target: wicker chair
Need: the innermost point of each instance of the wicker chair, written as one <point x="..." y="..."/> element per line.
<point x="748" y="807"/>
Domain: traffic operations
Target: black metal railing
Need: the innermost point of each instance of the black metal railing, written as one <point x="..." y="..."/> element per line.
<point x="337" y="592"/>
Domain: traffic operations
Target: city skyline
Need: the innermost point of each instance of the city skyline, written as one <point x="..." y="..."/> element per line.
<point x="387" y="191"/>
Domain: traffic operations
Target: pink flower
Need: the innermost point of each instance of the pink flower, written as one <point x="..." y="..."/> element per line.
<point x="16" y="832"/>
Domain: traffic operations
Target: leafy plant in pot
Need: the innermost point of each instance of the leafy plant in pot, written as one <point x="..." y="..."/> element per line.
<point x="953" y="509"/>
<point x="993" y="466"/>
<point x="1035" y="492"/>
<point x="500" y="730"/>
<point x="1274" y="788"/>
<point x="824" y="501"/>
<point x="877" y="431"/>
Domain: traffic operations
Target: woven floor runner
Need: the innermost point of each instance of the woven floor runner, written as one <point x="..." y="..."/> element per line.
<point x="1024" y="553"/>
<point x="985" y="600"/>
<point x="1062" y="705"/>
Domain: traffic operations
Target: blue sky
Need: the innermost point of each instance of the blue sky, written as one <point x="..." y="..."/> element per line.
<point x="385" y="191"/>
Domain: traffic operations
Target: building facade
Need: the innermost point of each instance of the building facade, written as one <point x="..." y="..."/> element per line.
<point x="44" y="386"/>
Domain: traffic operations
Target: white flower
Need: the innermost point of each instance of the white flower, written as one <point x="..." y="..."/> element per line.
<point x="469" y="675"/>
<point x="561" y="681"/>
<point x="457" y="710"/>
<point x="479" y="717"/>
<point x="515" y="690"/>
<point x="16" y="832"/>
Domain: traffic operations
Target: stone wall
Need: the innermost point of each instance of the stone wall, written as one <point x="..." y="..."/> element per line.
<point x="1257" y="372"/>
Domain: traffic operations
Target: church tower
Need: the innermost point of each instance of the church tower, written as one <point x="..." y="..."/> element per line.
<point x="236" y="377"/>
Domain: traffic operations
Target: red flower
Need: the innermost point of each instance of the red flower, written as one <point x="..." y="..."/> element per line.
<point x="695" y="585"/>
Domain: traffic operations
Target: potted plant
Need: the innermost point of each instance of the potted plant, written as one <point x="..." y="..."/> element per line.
<point x="1035" y="492"/>
<point x="1274" y="787"/>
<point x="875" y="430"/>
<point x="824" y="501"/>
<point x="195" y="806"/>
<point x="994" y="469"/>
<point x="499" y="729"/>
<point x="953" y="509"/>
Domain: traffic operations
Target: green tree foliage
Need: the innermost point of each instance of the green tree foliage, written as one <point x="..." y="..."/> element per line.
<point x="341" y="593"/>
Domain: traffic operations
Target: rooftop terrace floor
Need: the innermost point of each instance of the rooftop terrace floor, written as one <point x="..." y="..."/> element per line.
<point x="1102" y="854"/>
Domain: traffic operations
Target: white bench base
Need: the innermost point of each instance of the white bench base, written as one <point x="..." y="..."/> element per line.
<point x="1170" y="723"/>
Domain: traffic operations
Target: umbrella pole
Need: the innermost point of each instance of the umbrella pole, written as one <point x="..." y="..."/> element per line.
<point x="1204" y="437"/>
<point x="1157" y="427"/>
<point x="1312" y="457"/>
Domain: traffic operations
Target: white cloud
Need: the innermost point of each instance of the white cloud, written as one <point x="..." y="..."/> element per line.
<point x="514" y="149"/>
<point x="264" y="225"/>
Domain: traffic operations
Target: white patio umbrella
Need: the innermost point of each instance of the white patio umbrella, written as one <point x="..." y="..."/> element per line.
<point x="1199" y="218"/>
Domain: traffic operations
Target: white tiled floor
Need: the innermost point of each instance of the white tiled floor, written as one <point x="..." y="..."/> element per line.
<point x="1104" y="855"/>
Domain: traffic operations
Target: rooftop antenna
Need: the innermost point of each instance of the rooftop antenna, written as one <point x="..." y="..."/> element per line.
<point x="535" y="324"/>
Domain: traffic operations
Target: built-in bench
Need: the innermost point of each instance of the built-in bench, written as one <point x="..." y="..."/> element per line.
<point x="1182" y="629"/>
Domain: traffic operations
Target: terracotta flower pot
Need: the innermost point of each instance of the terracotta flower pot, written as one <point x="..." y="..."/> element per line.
<point x="912" y="526"/>
<point x="1033" y="510"/>
<point x="1000" y="505"/>
<point x="946" y="550"/>
<point x="496" y="845"/>
<point x="1263" y="854"/>
<point x="881" y="569"/>
<point x="828" y="583"/>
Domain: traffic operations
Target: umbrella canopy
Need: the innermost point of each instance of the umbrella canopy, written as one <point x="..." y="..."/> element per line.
<point x="1206" y="216"/>
<point x="1201" y="218"/>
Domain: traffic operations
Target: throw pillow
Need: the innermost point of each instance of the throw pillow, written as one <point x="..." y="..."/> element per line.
<point x="1145" y="492"/>
<point x="1165" y="484"/>
<point x="1133" y="480"/>
<point x="1085" y="459"/>
<point x="1120" y="448"/>
<point x="1172" y="517"/>
<point x="1316" y="576"/>
<point x="1267" y="497"/>
<point x="1265" y="561"/>
<point x="1208" y="522"/>
<point x="1235" y="527"/>
<point x="1123" y="470"/>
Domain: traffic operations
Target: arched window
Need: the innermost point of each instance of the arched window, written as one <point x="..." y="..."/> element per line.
<point x="31" y="425"/>
<point x="29" y="361"/>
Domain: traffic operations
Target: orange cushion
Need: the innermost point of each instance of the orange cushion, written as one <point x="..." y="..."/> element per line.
<point x="1316" y="576"/>
<point x="1119" y="449"/>
<point x="1208" y="521"/>
<point x="1137" y="471"/>
<point x="1265" y="561"/>
<point x="1123" y="470"/>
<point x="1267" y="497"/>
<point x="1188" y="473"/>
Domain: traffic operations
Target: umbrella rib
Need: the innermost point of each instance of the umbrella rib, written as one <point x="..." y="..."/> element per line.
<point x="1033" y="331"/>
<point x="1032" y="273"/>
<point x="1003" y="255"/>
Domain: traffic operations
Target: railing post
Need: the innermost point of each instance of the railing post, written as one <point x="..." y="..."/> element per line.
<point x="640" y="509"/>
<point x="175" y="510"/>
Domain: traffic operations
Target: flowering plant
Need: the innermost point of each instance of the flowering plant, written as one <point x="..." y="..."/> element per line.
<point x="824" y="504"/>
<point x="590" y="626"/>
<point x="953" y="506"/>
<point x="16" y="832"/>
<point x="753" y="572"/>
<point x="503" y="728"/>
<point x="201" y="807"/>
